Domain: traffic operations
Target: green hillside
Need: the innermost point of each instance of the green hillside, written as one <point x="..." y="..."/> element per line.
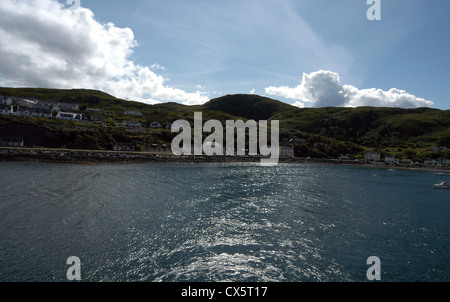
<point x="251" y="107"/>
<point x="314" y="132"/>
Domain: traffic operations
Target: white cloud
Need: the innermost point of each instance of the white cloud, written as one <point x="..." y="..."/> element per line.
<point x="156" y="66"/>
<point x="299" y="104"/>
<point x="47" y="45"/>
<point x="323" y="88"/>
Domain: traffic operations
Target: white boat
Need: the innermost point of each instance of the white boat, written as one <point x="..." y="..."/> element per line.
<point x="442" y="185"/>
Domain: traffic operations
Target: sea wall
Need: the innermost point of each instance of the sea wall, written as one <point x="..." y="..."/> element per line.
<point x="94" y="157"/>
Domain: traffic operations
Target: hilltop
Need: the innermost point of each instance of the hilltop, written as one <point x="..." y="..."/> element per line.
<point x="315" y="132"/>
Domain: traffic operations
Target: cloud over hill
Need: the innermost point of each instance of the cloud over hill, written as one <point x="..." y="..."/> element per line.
<point x="324" y="89"/>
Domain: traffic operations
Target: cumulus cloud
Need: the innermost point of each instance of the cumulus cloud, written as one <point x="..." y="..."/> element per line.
<point x="323" y="88"/>
<point x="47" y="45"/>
<point x="299" y="104"/>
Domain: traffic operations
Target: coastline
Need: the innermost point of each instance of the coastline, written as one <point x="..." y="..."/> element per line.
<point x="113" y="157"/>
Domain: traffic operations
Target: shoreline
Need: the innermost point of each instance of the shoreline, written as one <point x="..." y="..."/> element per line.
<point x="66" y="156"/>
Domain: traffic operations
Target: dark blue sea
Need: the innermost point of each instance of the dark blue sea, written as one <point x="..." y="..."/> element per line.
<point x="221" y="222"/>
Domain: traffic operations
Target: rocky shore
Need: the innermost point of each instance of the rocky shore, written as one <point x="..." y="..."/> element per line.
<point x="98" y="157"/>
<point x="91" y="156"/>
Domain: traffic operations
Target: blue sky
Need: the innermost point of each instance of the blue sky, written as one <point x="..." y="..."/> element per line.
<point x="303" y="52"/>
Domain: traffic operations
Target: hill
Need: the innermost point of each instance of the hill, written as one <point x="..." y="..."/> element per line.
<point x="252" y="107"/>
<point x="315" y="132"/>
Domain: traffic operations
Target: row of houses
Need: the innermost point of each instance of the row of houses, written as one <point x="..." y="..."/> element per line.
<point x="284" y="151"/>
<point x="34" y="103"/>
<point x="390" y="159"/>
<point x="441" y="161"/>
<point x="67" y="111"/>
<point x="43" y="112"/>
<point x="11" y="141"/>
<point x="36" y="108"/>
<point x="58" y="106"/>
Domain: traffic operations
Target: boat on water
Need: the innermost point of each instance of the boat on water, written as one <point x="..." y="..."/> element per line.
<point x="442" y="185"/>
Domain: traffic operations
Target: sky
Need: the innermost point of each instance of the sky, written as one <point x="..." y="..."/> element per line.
<point x="308" y="53"/>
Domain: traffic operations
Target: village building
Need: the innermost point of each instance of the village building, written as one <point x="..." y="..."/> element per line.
<point x="155" y="125"/>
<point x="286" y="152"/>
<point x="34" y="112"/>
<point x="6" y="101"/>
<point x="132" y="124"/>
<point x="372" y="156"/>
<point x="6" y="109"/>
<point x="48" y="104"/>
<point x="59" y="106"/>
<point x="11" y="141"/>
<point x="27" y="103"/>
<point x="68" y="107"/>
<point x="442" y="161"/>
<point x="68" y="116"/>
<point x="124" y="147"/>
<point x="390" y="159"/>
<point x="98" y="119"/>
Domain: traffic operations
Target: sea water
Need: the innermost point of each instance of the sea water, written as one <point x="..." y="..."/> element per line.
<point x="221" y="222"/>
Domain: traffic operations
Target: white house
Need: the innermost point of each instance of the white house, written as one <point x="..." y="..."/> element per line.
<point x="11" y="141"/>
<point x="406" y="161"/>
<point x="390" y="159"/>
<point x="372" y="156"/>
<point x="286" y="152"/>
<point x="27" y="103"/>
<point x="68" y="116"/>
<point x="124" y="147"/>
<point x="443" y="161"/>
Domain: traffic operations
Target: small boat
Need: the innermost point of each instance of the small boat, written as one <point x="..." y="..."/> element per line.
<point x="442" y="185"/>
